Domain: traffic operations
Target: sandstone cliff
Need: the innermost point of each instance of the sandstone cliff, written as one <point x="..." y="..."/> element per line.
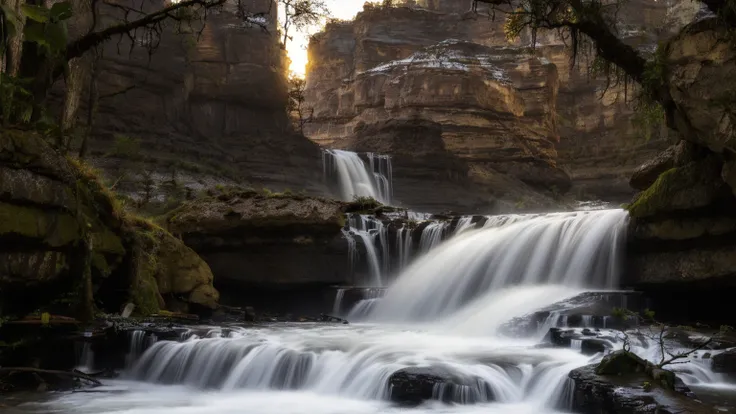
<point x="201" y="105"/>
<point x="491" y="109"/>
<point x="538" y="120"/>
<point x="49" y="206"/>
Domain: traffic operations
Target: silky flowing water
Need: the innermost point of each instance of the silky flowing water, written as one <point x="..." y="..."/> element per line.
<point x="444" y="311"/>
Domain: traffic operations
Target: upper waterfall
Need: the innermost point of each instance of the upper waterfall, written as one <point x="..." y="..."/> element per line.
<point x="578" y="250"/>
<point x="356" y="179"/>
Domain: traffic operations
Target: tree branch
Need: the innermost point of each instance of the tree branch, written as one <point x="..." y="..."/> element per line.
<point x="87" y="42"/>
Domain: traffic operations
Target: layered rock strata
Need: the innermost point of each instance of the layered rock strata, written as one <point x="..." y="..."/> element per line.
<point x="202" y="104"/>
<point x="555" y="121"/>
<point x="49" y="207"/>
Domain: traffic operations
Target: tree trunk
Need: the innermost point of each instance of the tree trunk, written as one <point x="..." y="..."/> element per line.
<point x="79" y="67"/>
<point x="10" y="63"/>
<point x="87" y="303"/>
<point x="92" y="102"/>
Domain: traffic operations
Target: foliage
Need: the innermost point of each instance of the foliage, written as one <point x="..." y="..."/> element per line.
<point x="126" y="147"/>
<point x="46" y="29"/>
<point x="299" y="114"/>
<point x="301" y="15"/>
<point x="647" y="326"/>
<point x="16" y="101"/>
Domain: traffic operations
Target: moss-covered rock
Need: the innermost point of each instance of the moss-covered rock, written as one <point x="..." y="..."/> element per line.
<point x="51" y="205"/>
<point x="173" y="267"/>
<point x="697" y="184"/>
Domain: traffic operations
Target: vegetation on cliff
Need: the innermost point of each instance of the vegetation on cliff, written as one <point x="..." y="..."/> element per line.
<point x="70" y="247"/>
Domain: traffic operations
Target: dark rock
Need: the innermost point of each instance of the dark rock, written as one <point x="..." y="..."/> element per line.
<point x="588" y="332"/>
<point x="560" y="337"/>
<point x="724" y="362"/>
<point x="647" y="173"/>
<point x="414" y="385"/>
<point x="621" y="363"/>
<point x="594" y="346"/>
<point x="246" y="237"/>
<point x="627" y="393"/>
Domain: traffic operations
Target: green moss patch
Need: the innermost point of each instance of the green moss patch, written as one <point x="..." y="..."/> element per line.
<point x="691" y="186"/>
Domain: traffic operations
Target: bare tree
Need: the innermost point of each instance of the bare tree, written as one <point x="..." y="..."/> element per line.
<point x="300" y="15"/>
<point x="299" y="114"/>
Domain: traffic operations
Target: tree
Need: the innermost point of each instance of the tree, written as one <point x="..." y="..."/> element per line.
<point x="592" y="23"/>
<point x="299" y="114"/>
<point x="301" y="15"/>
<point x="36" y="50"/>
<point x="657" y="332"/>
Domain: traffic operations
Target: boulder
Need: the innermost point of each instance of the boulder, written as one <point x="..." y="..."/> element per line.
<point x="644" y="176"/>
<point x="724" y="362"/>
<point x="415" y="385"/>
<point x="590" y="346"/>
<point x="694" y="185"/>
<point x="628" y="392"/>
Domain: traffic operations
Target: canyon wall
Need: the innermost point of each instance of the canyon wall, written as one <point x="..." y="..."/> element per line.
<point x="506" y="119"/>
<point x="203" y="104"/>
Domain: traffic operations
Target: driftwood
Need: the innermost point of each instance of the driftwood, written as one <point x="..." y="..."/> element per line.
<point x="38" y="371"/>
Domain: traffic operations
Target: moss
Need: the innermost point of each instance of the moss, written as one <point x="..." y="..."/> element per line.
<point x="144" y="295"/>
<point x="691" y="186"/>
<point x="99" y="262"/>
<point x="53" y="228"/>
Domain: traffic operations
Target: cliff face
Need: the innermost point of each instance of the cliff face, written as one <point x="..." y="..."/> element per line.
<point x="490" y="109"/>
<point x="535" y="119"/>
<point x="683" y="234"/>
<point x="207" y="105"/>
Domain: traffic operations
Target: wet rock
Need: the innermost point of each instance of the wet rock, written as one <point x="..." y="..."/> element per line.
<point x="725" y="362"/>
<point x="626" y="393"/>
<point x="594" y="346"/>
<point x="560" y="337"/>
<point x="414" y="385"/>
<point x="647" y="173"/>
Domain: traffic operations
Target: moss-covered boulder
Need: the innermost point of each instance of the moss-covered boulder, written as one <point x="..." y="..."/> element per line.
<point x="175" y="270"/>
<point x="694" y="185"/>
<point x="57" y="219"/>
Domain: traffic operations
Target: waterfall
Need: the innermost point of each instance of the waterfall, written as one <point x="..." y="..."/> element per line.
<point x="354" y="178"/>
<point x="580" y="249"/>
<point x="432" y="235"/>
<point x="367" y="228"/>
<point x="380" y="166"/>
<point x="445" y="312"/>
<point x="337" y="307"/>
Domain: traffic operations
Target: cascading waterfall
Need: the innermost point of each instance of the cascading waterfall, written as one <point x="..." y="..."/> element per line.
<point x="367" y="229"/>
<point x="356" y="179"/>
<point x="432" y="235"/>
<point x="580" y="249"/>
<point x="445" y="311"/>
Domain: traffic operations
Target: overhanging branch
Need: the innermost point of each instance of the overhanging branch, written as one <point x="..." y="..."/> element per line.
<point x="89" y="41"/>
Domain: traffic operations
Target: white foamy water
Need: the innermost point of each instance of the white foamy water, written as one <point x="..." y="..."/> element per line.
<point x="354" y="178"/>
<point x="444" y="312"/>
<point x="581" y="249"/>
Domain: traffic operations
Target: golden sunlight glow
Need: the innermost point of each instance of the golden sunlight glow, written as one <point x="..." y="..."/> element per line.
<point x="297" y="47"/>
